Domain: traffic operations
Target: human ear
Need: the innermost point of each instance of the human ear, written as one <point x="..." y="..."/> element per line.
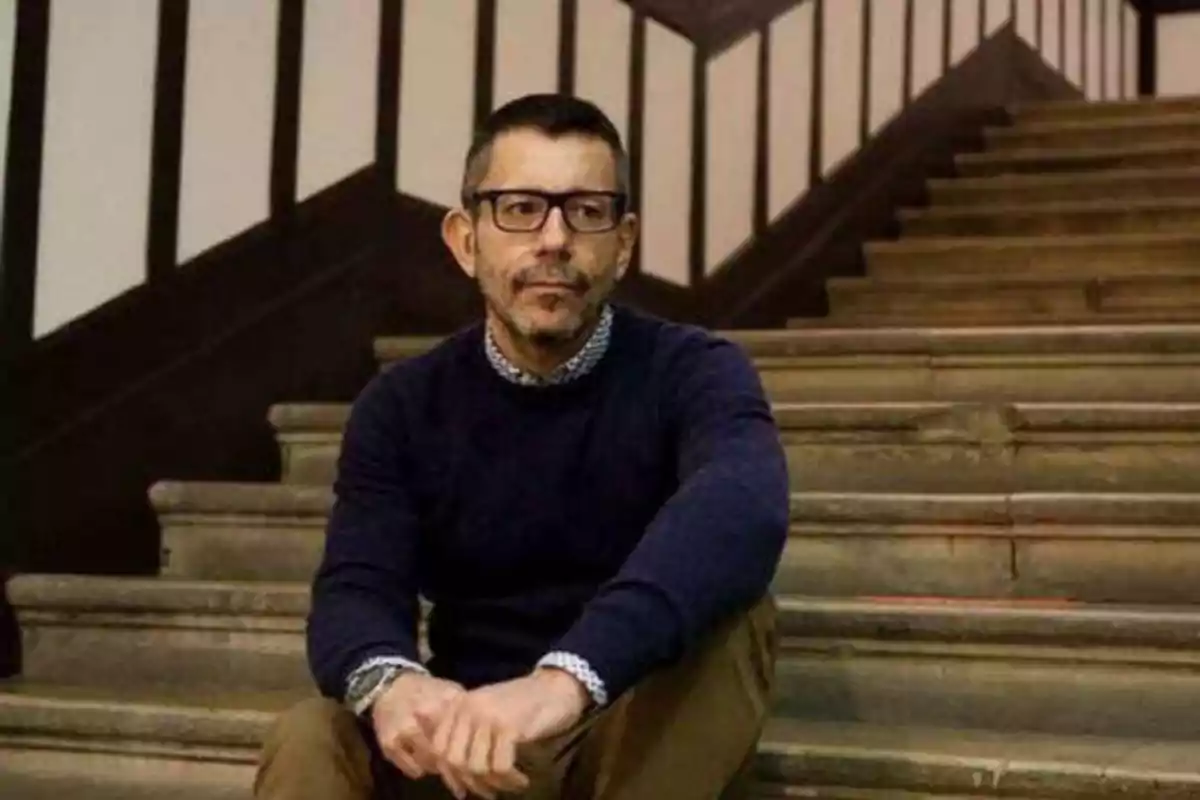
<point x="458" y="232"/>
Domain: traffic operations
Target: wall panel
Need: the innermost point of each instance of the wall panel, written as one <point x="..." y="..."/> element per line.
<point x="437" y="97"/>
<point x="732" y="128"/>
<point x="1052" y="49"/>
<point x="1178" y="67"/>
<point x="790" y="94"/>
<point x="999" y="12"/>
<point x="602" y="58"/>
<point x="339" y="80"/>
<point x="227" y="122"/>
<point x="1093" y="72"/>
<point x="8" y="24"/>
<point x="1027" y="20"/>
<point x="526" y="49"/>
<point x="1112" y="49"/>
<point x="842" y="24"/>
<point x="96" y="159"/>
<point x="964" y="28"/>
<point x="1131" y="51"/>
<point x="667" y="155"/>
<point x="887" y="62"/>
<point x="1073" y="22"/>
<point x="928" y="38"/>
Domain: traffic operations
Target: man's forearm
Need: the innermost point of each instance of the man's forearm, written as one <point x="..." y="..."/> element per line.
<point x="347" y="630"/>
<point x="713" y="551"/>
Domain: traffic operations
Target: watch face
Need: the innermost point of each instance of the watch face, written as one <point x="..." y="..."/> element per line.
<point x="367" y="680"/>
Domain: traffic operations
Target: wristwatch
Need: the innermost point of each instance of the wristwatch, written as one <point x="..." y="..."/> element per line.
<point x="366" y="687"/>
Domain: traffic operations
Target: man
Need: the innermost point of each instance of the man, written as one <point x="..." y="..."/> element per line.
<point x="593" y="502"/>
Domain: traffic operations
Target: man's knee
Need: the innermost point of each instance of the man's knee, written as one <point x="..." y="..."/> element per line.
<point x="316" y="724"/>
<point x="315" y="735"/>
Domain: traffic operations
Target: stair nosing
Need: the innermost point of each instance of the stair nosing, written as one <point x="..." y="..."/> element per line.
<point x="1043" y="243"/>
<point x="1072" y="207"/>
<point x="942" y="769"/>
<point x="1094" y="124"/>
<point x="1059" y="179"/>
<point x="984" y="157"/>
<point x="100" y="595"/>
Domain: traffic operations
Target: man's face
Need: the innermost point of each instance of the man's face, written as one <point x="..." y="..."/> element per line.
<point x="545" y="283"/>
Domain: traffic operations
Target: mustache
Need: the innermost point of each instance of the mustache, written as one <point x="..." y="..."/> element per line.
<point x="561" y="272"/>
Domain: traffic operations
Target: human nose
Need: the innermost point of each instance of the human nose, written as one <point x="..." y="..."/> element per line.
<point x="555" y="231"/>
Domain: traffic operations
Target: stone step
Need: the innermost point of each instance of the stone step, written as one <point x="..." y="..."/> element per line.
<point x="34" y="773"/>
<point x="990" y="447"/>
<point x="1126" y="547"/>
<point x="1130" y="185"/>
<point x="1069" y="134"/>
<point x="309" y="437"/>
<point x="1041" y="160"/>
<point x="95" y="743"/>
<point x="1081" y="217"/>
<point x="997" y="363"/>
<point x="240" y="531"/>
<point x="844" y="760"/>
<point x="1000" y="301"/>
<point x="76" y="741"/>
<point x="1072" y="110"/>
<point x="1039" y="257"/>
<point x="1071" y="670"/>
<point x="1088" y="547"/>
<point x="144" y="632"/>
<point x="910" y="446"/>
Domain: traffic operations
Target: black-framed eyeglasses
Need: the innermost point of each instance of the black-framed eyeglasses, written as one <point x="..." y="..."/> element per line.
<point x="526" y="210"/>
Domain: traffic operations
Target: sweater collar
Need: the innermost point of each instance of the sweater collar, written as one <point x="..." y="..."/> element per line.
<point x="577" y="366"/>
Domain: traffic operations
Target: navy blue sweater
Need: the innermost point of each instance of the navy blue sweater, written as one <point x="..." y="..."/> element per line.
<point x="616" y="517"/>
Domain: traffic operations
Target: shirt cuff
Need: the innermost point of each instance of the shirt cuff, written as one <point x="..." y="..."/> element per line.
<point x="581" y="670"/>
<point x="400" y="662"/>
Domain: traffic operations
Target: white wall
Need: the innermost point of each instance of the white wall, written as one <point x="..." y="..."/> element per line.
<point x="667" y="171"/>
<point x="229" y="106"/>
<point x="8" y="26"/>
<point x="339" y="78"/>
<point x="437" y="82"/>
<point x="96" y="156"/>
<point x="729" y="170"/>
<point x="1178" y="68"/>
<point x="789" y="95"/>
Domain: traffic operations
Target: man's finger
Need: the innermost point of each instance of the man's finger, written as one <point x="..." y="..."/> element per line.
<point x="441" y="737"/>
<point x="458" y="741"/>
<point x="504" y="762"/>
<point x="414" y="741"/>
<point x="479" y="753"/>
<point x="455" y="719"/>
<point x="406" y="763"/>
<point x="467" y="728"/>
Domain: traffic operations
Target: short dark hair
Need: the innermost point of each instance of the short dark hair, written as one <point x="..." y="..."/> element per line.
<point x="551" y="114"/>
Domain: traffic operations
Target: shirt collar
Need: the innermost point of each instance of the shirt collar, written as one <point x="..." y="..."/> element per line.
<point x="577" y="366"/>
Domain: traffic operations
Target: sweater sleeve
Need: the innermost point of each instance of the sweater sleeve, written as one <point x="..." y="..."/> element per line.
<point x="365" y="594"/>
<point x="713" y="548"/>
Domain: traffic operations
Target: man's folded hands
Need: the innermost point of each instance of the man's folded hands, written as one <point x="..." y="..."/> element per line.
<point x="431" y="726"/>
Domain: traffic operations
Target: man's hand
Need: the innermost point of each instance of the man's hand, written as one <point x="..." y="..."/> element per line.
<point x="476" y="740"/>
<point x="406" y="716"/>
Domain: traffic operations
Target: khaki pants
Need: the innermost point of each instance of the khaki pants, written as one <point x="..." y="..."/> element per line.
<point x="687" y="732"/>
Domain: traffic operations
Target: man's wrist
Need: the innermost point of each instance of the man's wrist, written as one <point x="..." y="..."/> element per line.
<point x="561" y="683"/>
<point x="373" y="678"/>
<point x="579" y="669"/>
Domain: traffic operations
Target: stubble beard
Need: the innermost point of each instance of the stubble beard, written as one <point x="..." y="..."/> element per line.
<point x="549" y="338"/>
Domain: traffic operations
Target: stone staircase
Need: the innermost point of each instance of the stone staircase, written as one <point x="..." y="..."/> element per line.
<point x="990" y="588"/>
